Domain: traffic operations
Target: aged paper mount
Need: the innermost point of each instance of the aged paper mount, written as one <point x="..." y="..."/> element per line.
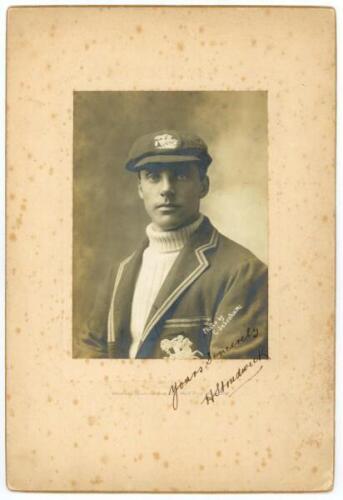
<point x="77" y="424"/>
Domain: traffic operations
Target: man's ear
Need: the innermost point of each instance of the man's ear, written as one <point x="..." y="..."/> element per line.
<point x="205" y="186"/>
<point x="139" y="186"/>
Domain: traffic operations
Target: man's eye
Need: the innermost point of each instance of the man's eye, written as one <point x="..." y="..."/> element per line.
<point x="152" y="176"/>
<point x="181" y="176"/>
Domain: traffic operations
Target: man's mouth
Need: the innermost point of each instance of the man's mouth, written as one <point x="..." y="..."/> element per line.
<point x="167" y="207"/>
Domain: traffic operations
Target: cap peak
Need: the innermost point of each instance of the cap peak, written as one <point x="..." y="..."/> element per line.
<point x="167" y="146"/>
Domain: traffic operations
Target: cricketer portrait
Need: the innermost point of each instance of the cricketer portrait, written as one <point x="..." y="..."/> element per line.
<point x="170" y="225"/>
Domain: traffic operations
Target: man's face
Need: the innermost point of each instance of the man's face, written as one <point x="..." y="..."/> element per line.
<point x="172" y="194"/>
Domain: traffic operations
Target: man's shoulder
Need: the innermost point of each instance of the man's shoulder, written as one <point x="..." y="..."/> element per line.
<point x="226" y="245"/>
<point x="126" y="260"/>
<point x="135" y="253"/>
<point x="231" y="254"/>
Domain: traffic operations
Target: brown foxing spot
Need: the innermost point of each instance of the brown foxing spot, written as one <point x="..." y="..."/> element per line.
<point x="253" y="42"/>
<point x="180" y="46"/>
<point x="12" y="237"/>
<point x="139" y="28"/>
<point x="314" y="470"/>
<point x="104" y="459"/>
<point x="313" y="442"/>
<point x="91" y="420"/>
<point x="96" y="480"/>
<point x="201" y="467"/>
<point x="17" y="330"/>
<point x="75" y="402"/>
<point x="166" y="464"/>
<point x="219" y="453"/>
<point x="156" y="455"/>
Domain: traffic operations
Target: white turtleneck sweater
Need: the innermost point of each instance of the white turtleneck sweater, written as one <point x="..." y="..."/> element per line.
<point x="157" y="260"/>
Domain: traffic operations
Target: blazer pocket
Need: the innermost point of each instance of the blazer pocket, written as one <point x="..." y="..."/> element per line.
<point x="185" y="338"/>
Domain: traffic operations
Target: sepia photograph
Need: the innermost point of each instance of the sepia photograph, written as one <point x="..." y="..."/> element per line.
<point x="170" y="225"/>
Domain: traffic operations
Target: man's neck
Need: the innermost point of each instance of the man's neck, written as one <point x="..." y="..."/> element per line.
<point x="173" y="240"/>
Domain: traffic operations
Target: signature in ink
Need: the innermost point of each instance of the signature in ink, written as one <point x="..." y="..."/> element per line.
<point x="177" y="386"/>
<point x="174" y="388"/>
<point x="251" y="333"/>
<point x="222" y="386"/>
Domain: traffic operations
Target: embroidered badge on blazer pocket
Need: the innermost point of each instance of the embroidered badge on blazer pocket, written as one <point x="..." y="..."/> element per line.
<point x="179" y="347"/>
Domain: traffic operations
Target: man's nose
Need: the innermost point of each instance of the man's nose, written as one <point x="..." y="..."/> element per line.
<point x="167" y="186"/>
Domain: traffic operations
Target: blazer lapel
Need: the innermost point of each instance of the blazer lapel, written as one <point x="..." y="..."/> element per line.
<point x="187" y="268"/>
<point x="120" y="310"/>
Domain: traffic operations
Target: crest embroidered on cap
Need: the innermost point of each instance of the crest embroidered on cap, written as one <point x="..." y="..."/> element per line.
<point x="179" y="347"/>
<point x="165" y="141"/>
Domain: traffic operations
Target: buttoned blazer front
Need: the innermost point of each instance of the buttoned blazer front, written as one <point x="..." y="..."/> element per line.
<point x="213" y="303"/>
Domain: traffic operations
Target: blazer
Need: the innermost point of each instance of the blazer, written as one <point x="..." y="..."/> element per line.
<point x="212" y="304"/>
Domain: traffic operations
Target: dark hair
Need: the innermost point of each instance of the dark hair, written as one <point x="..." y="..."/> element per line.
<point x="202" y="172"/>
